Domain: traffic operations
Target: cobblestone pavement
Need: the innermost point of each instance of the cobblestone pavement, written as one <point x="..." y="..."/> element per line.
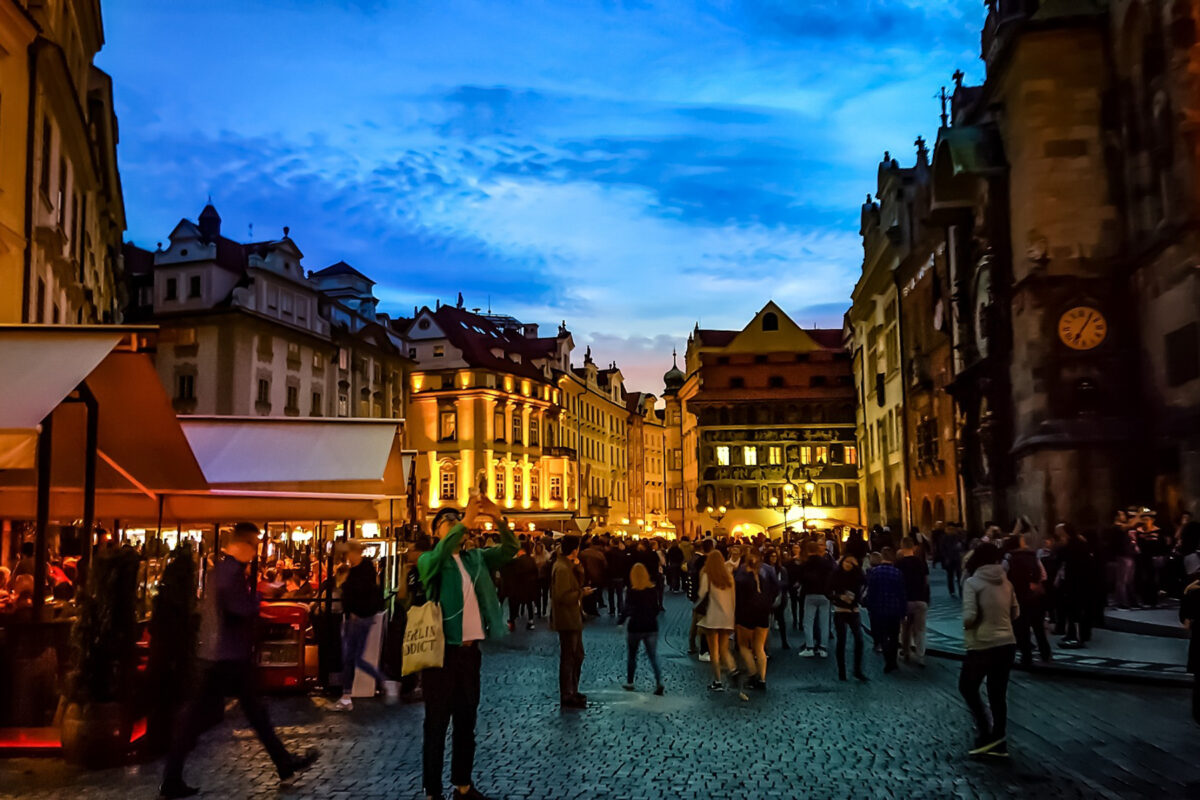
<point x="1126" y="655"/>
<point x="809" y="736"/>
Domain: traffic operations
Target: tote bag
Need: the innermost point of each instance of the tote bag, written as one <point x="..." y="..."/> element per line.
<point x="424" y="641"/>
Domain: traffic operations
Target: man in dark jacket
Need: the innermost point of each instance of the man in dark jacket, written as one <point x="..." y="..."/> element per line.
<point x="887" y="604"/>
<point x="617" y="575"/>
<point x="1189" y="615"/>
<point x="674" y="566"/>
<point x="229" y="613"/>
<point x="362" y="599"/>
<point x="1028" y="579"/>
<point x="913" y="567"/>
<point x="520" y="580"/>
<point x="595" y="573"/>
<point x="566" y="617"/>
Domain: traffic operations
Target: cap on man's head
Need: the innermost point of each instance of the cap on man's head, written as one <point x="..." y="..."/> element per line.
<point x="443" y="514"/>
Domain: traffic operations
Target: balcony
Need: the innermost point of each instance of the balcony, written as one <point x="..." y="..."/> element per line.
<point x="564" y="452"/>
<point x="600" y="503"/>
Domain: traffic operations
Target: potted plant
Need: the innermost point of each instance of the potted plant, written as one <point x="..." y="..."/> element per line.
<point x="173" y="626"/>
<point x="96" y="726"/>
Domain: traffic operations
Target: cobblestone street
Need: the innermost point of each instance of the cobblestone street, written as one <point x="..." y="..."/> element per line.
<point x="809" y="736"/>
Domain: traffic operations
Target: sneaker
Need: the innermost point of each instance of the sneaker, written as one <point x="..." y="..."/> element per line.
<point x="175" y="790"/>
<point x="344" y="704"/>
<point x="821" y="652"/>
<point x="706" y="657"/>
<point x="1070" y="644"/>
<point x="470" y="794"/>
<point x="1000" y="750"/>
<point x="529" y="626"/>
<point x="985" y="744"/>
<point x="862" y="677"/>
<point x="757" y="684"/>
<point x="298" y="764"/>
<point x="627" y="687"/>
<point x="391" y="692"/>
<point x="806" y="653"/>
<point x="745" y="698"/>
<point x="660" y="690"/>
<point x="716" y="686"/>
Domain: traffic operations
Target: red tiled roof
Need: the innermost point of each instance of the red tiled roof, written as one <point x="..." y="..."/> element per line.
<point x="462" y="329"/>
<point x="829" y="338"/>
<point x="714" y="338"/>
<point x="137" y="260"/>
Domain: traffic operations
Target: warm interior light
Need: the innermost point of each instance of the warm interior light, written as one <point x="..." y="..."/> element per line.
<point x="370" y="530"/>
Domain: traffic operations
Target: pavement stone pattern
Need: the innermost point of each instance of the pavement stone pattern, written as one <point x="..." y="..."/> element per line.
<point x="1122" y="657"/>
<point x="809" y="736"/>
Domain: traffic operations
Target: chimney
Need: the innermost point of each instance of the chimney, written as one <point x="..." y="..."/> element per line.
<point x="531" y="331"/>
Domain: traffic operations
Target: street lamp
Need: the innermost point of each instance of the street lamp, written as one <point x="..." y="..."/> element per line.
<point x="788" y="501"/>
<point x="717" y="514"/>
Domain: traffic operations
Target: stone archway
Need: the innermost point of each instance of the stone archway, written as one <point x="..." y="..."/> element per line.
<point x="926" y="520"/>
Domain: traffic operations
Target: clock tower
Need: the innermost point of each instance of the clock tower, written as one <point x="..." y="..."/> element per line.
<point x="1043" y="332"/>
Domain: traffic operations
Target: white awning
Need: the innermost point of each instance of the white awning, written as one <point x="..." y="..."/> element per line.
<point x="301" y="454"/>
<point x="39" y="367"/>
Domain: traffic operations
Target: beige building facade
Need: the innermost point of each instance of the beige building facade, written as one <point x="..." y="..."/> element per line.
<point x="245" y="331"/>
<point x="62" y="215"/>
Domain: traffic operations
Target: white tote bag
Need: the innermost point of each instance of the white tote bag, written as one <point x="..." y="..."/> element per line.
<point x="424" y="641"/>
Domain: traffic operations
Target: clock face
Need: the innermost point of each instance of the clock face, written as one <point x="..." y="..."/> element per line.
<point x="1082" y="328"/>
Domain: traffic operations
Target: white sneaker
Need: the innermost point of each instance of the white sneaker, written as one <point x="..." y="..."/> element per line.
<point x="345" y="704"/>
<point x="391" y="692"/>
<point x="706" y="657"/>
<point x="821" y="653"/>
<point x="806" y="653"/>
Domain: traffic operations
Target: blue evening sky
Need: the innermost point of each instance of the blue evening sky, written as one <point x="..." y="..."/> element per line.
<point x="630" y="166"/>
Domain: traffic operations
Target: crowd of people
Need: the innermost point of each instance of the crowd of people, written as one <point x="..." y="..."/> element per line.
<point x="747" y="595"/>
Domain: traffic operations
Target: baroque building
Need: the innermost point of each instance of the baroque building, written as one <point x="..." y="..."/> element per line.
<point x="486" y="408"/>
<point x="902" y="356"/>
<point x="62" y="215"/>
<point x="765" y="411"/>
<point x="647" y="465"/>
<point x="594" y="408"/>
<point x="1052" y="290"/>
<point x="243" y="330"/>
<point x="874" y="328"/>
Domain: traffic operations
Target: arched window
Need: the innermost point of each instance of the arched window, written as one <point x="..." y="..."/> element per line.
<point x="770" y="321"/>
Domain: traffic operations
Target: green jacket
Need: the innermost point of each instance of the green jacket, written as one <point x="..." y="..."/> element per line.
<point x="437" y="567"/>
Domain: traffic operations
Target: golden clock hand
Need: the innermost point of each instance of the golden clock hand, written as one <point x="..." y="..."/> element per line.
<point x="1082" y="328"/>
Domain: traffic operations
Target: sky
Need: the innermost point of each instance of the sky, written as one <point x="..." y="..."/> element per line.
<point x="633" y="167"/>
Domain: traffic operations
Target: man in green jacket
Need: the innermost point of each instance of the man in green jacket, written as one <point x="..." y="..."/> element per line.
<point x="461" y="582"/>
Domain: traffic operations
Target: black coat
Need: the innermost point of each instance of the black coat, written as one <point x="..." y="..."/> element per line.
<point x="641" y="609"/>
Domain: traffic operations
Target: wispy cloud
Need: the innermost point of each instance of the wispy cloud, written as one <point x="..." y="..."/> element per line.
<point x="631" y="167"/>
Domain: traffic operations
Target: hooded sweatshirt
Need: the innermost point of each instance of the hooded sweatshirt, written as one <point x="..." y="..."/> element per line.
<point x="989" y="607"/>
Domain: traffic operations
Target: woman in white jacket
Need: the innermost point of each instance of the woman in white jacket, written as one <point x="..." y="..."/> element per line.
<point x="989" y="608"/>
<point x="716" y="599"/>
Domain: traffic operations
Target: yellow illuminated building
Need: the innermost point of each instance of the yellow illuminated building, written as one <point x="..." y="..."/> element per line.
<point x="61" y="211"/>
<point x="485" y="406"/>
<point x="595" y="416"/>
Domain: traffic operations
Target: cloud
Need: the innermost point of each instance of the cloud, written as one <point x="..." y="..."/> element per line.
<point x="631" y="167"/>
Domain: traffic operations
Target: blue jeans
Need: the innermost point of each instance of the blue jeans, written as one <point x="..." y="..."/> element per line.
<point x="355" y="631"/>
<point x="651" y="642"/>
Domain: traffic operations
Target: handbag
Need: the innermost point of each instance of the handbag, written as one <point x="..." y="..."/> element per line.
<point x="424" y="639"/>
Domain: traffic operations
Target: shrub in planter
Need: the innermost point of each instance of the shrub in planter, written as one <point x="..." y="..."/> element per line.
<point x="173" y="626"/>
<point x="96" y="725"/>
